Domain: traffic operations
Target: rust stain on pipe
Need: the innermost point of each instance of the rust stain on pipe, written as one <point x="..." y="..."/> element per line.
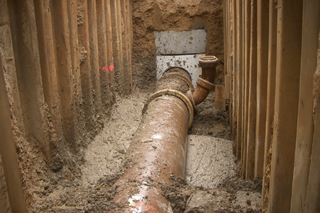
<point x="205" y="84"/>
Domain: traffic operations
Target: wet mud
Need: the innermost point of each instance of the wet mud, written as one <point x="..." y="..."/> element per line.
<point x="93" y="190"/>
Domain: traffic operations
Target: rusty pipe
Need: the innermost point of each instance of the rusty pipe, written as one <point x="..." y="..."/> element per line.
<point x="205" y="83"/>
<point x="158" y="149"/>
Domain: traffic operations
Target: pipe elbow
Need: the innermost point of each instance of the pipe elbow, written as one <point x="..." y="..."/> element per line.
<point x="205" y="83"/>
<point x="202" y="90"/>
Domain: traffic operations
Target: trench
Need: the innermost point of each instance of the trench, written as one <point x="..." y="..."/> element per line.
<point x="76" y="106"/>
<point x="211" y="182"/>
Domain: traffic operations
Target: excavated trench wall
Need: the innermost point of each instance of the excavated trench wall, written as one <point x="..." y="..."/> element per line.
<point x="173" y="15"/>
<point x="272" y="58"/>
<point x="62" y="62"/>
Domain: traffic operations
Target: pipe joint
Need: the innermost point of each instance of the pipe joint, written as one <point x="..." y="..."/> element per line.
<point x="205" y="84"/>
<point x="177" y="94"/>
<point x="178" y="76"/>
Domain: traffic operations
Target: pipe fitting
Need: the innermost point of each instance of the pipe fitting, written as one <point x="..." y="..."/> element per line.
<point x="205" y="83"/>
<point x="208" y="61"/>
<point x="158" y="148"/>
<point x="174" y="93"/>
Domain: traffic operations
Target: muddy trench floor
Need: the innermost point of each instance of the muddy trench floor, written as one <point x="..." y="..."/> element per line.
<point x="211" y="183"/>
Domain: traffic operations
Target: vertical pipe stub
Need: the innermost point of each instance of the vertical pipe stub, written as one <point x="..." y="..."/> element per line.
<point x="205" y="83"/>
<point x="208" y="61"/>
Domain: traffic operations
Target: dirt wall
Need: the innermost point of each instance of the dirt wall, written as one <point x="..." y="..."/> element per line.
<point x="178" y="15"/>
<point x="63" y="64"/>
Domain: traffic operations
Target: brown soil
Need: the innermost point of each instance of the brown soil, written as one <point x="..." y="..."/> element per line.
<point x="85" y="182"/>
<point x="232" y="195"/>
<point x="209" y="121"/>
<point x="90" y="187"/>
<point x="178" y="15"/>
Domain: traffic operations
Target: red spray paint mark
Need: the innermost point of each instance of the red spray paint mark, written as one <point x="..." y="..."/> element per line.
<point x="104" y="69"/>
<point x="111" y="67"/>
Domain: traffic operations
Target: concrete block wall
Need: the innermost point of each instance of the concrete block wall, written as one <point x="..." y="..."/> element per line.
<point x="272" y="66"/>
<point x="62" y="64"/>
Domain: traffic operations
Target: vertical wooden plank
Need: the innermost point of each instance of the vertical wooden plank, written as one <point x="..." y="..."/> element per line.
<point x="231" y="67"/>
<point x="238" y="25"/>
<point x="74" y="45"/>
<point x="27" y="61"/>
<point x="103" y="54"/>
<point x="309" y="47"/>
<point x="262" y="76"/>
<point x="110" y="47"/>
<point x="10" y="74"/>
<point x="8" y="150"/>
<point x="116" y="46"/>
<point x="243" y="74"/>
<point x="43" y="13"/>
<point x="252" y="94"/>
<point x="234" y="90"/>
<point x="226" y="94"/>
<point x="121" y="46"/>
<point x="286" y="103"/>
<point x="94" y="54"/>
<point x="124" y="32"/>
<point x="227" y="53"/>
<point x="89" y="78"/>
<point x="76" y="90"/>
<point x="4" y="199"/>
<point x="219" y="99"/>
<point x="272" y="59"/>
<point x="225" y="36"/>
<point x="120" y="39"/>
<point x="247" y="36"/>
<point x="130" y="40"/>
<point x="312" y="203"/>
<point x="64" y="70"/>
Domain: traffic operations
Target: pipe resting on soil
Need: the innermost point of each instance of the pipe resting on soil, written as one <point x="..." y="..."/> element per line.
<point x="158" y="149"/>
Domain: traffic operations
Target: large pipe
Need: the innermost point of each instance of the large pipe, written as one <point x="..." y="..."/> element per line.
<point x="205" y="83"/>
<point x="158" y="149"/>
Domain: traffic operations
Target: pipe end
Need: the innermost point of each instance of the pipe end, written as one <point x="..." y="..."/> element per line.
<point x="208" y="61"/>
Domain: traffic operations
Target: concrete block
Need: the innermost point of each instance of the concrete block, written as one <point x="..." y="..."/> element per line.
<point x="188" y="62"/>
<point x="185" y="42"/>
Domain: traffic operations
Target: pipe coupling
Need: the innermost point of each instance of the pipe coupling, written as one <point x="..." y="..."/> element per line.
<point x="205" y="84"/>
<point x="180" y="77"/>
<point x="174" y="93"/>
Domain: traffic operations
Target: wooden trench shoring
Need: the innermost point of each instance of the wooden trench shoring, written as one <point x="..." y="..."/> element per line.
<point x="272" y="67"/>
<point x="62" y="61"/>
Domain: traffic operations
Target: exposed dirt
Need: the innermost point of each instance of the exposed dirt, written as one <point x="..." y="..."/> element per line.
<point x="209" y="152"/>
<point x="178" y="15"/>
<point x="86" y="181"/>
<point x="232" y="195"/>
<point x="209" y="121"/>
<point x="90" y="187"/>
